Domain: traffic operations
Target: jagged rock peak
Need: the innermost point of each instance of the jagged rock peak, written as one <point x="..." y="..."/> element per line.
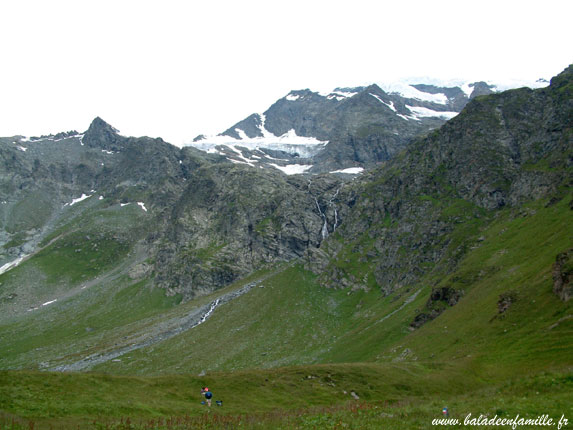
<point x="374" y="88"/>
<point x="100" y="124"/>
<point x="101" y="134"/>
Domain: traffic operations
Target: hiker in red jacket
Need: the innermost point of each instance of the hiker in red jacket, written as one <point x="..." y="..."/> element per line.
<point x="208" y="395"/>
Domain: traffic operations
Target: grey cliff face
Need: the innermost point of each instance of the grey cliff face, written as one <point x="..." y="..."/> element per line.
<point x="230" y="221"/>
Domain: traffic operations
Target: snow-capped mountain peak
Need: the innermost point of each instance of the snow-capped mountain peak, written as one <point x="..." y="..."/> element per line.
<point x="347" y="126"/>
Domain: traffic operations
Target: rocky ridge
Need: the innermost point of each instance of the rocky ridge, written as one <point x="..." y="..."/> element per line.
<point x="349" y="127"/>
<point x="501" y="151"/>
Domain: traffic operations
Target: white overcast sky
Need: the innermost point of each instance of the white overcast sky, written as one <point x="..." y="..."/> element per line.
<point x="179" y="68"/>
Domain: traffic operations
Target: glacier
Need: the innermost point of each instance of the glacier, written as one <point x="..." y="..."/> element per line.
<point x="288" y="142"/>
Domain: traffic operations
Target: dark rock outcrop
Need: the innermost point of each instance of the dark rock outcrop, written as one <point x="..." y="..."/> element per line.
<point x="506" y="300"/>
<point x="440" y="299"/>
<point x="563" y="275"/>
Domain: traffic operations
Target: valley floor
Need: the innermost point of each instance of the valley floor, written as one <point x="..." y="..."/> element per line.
<point x="345" y="396"/>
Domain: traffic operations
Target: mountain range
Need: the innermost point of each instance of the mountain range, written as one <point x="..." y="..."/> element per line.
<point x="450" y="252"/>
<point x="348" y="128"/>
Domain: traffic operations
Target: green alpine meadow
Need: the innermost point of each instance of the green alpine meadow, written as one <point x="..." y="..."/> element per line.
<point x="429" y="287"/>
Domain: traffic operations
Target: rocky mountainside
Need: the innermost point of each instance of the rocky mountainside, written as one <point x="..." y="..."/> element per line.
<point x="230" y="221"/>
<point x="347" y="128"/>
<point x="197" y="222"/>
<point x="115" y="246"/>
<point x="423" y="211"/>
<point x="42" y="177"/>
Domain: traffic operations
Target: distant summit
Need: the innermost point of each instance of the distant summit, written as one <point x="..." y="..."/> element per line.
<point x="102" y="135"/>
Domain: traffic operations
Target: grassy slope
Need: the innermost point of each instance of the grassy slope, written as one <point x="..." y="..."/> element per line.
<point x="294" y="321"/>
<point x="392" y="396"/>
<point x="469" y="349"/>
<point x="55" y="394"/>
<point x="93" y="240"/>
<point x="516" y="256"/>
<point x="83" y="264"/>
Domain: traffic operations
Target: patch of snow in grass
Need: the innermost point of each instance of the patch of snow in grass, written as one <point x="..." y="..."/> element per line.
<point x="50" y="302"/>
<point x="11" y="264"/>
<point x="79" y="199"/>
<point x="292" y="169"/>
<point x="350" y="170"/>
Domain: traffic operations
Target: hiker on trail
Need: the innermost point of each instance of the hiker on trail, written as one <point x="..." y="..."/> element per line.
<point x="208" y="395"/>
